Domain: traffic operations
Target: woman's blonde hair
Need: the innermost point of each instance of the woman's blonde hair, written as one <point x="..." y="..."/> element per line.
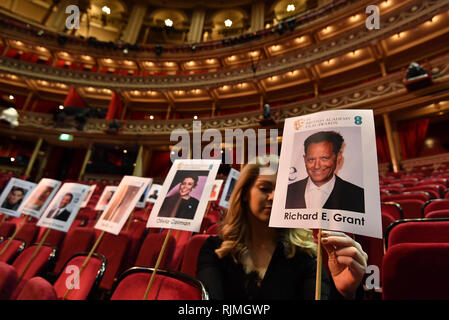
<point x="234" y="228"/>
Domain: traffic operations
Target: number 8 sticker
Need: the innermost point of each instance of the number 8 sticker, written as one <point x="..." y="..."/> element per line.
<point x="358" y="120"/>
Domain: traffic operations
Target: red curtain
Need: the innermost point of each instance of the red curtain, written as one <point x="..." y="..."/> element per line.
<point x="159" y="165"/>
<point x="383" y="152"/>
<point x="73" y="99"/>
<point x="411" y="136"/>
<point x="115" y="107"/>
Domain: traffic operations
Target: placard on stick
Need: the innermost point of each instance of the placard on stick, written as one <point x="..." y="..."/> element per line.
<point x="105" y="198"/>
<point x="40" y="197"/>
<point x="122" y="204"/>
<point x="154" y="193"/>
<point x="64" y="207"/>
<point x="228" y="187"/>
<point x="14" y="194"/>
<point x="184" y="196"/>
<point x="215" y="190"/>
<point x="319" y="187"/>
<point x="143" y="198"/>
<point x="89" y="195"/>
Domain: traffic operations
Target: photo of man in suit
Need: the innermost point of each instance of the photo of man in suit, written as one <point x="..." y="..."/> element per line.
<point x="61" y="213"/>
<point x="323" y="188"/>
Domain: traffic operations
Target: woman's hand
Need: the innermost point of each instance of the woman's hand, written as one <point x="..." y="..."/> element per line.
<point x="347" y="261"/>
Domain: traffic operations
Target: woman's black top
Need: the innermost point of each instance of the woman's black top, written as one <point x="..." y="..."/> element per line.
<point x="285" y="278"/>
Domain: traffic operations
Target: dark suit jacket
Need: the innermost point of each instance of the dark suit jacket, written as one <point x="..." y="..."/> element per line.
<point x="63" y="216"/>
<point x="186" y="210"/>
<point x="344" y="196"/>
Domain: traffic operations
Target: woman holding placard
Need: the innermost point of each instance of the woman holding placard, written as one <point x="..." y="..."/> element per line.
<point x="250" y="260"/>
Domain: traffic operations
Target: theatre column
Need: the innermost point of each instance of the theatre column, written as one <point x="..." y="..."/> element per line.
<point x="257" y="16"/>
<point x="33" y="157"/>
<point x="196" y="26"/>
<point x="392" y="146"/>
<point x="85" y="162"/>
<point x="138" y="165"/>
<point x="135" y="21"/>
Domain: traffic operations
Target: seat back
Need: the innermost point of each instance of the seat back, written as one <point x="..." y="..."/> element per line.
<point x="417" y="231"/>
<point x="191" y="253"/>
<point x="114" y="248"/>
<point x="393" y="209"/>
<point x="79" y="240"/>
<point x="438" y="214"/>
<point x="6" y="228"/>
<point x="420" y="195"/>
<point x="89" y="277"/>
<point x="8" y="280"/>
<point x="411" y="208"/>
<point x="167" y="285"/>
<point x="435" y="204"/>
<point x="136" y="232"/>
<point x="416" y="271"/>
<point x="37" y="288"/>
<point x="28" y="232"/>
<point x="432" y="190"/>
<point x="150" y="249"/>
<point x="182" y="238"/>
<point x="33" y="261"/>
<point x="15" y="247"/>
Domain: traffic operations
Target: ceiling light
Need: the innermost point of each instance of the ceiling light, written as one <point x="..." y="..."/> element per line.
<point x="168" y="22"/>
<point x="11" y="97"/>
<point x="61" y="107"/>
<point x="195" y="117"/>
<point x="290" y="8"/>
<point x="106" y="9"/>
<point x="151" y="117"/>
<point x="228" y="23"/>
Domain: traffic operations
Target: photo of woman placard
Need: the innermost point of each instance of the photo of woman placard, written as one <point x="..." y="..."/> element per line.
<point x="122" y="204"/>
<point x="40" y="197"/>
<point x="184" y="196"/>
<point x="15" y="192"/>
<point x="105" y="197"/>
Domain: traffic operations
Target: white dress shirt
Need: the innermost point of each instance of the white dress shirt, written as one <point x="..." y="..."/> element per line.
<point x="316" y="197"/>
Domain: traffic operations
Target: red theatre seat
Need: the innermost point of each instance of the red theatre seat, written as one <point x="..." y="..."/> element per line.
<point x="114" y="248"/>
<point x="438" y="214"/>
<point x="420" y="195"/>
<point x="150" y="249"/>
<point x="411" y="208"/>
<point x="436" y="204"/>
<point x="393" y="209"/>
<point x="26" y="270"/>
<point x="8" y="280"/>
<point x="79" y="240"/>
<point x="417" y="231"/>
<point x="416" y="271"/>
<point x="15" y="247"/>
<point x="37" y="288"/>
<point x="167" y="285"/>
<point x="191" y="254"/>
<point x="182" y="238"/>
<point x="89" y="277"/>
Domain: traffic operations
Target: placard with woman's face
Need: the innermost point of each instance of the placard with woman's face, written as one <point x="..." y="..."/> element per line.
<point x="122" y="204"/>
<point x="184" y="196"/>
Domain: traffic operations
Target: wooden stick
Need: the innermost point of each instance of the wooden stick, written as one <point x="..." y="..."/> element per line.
<point x="91" y="252"/>
<point x="34" y="253"/>
<point x="159" y="258"/>
<point x="130" y="219"/>
<point x="14" y="235"/>
<point x="3" y="219"/>
<point x="318" y="269"/>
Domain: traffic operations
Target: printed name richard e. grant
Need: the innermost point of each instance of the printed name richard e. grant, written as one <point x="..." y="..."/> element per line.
<point x="325" y="216"/>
